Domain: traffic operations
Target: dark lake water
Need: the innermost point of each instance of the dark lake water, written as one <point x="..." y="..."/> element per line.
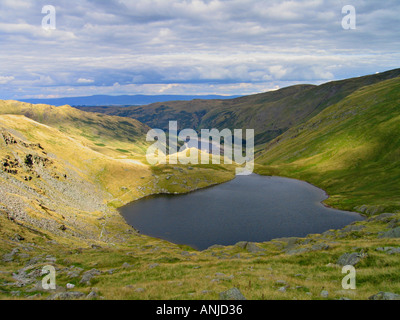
<point x="249" y="208"/>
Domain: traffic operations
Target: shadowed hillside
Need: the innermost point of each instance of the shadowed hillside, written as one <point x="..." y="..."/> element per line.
<point x="351" y="149"/>
<point x="63" y="173"/>
<point x="63" y="162"/>
<point x="270" y="114"/>
<point x="120" y="137"/>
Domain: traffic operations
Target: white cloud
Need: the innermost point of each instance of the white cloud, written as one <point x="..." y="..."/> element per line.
<point x="4" y="80"/>
<point x="84" y="81"/>
<point x="16" y="4"/>
<point x="168" y="87"/>
<point x="146" y="45"/>
<point x="278" y="71"/>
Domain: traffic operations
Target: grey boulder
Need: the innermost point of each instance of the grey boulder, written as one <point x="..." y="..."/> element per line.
<point x="350" y="259"/>
<point x="393" y="233"/>
<point x="385" y="296"/>
<point x="232" y="294"/>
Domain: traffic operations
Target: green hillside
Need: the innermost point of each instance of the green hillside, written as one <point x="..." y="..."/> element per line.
<point x="102" y="133"/>
<point x="270" y="114"/>
<point x="350" y="149"/>
<point x="63" y="173"/>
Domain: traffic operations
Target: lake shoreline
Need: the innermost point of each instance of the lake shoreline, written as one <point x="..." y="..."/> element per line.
<point x="244" y="191"/>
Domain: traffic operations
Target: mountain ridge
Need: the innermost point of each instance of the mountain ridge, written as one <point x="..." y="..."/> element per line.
<point x="270" y="114"/>
<point x="63" y="173"/>
<point x="118" y="100"/>
<point x="351" y="149"/>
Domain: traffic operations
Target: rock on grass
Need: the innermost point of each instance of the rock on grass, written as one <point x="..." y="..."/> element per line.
<point x="66" y="296"/>
<point x="350" y="259"/>
<point x="385" y="296"/>
<point x="249" y="246"/>
<point x="88" y="276"/>
<point x="324" y="294"/>
<point x="232" y="294"/>
<point x="393" y="233"/>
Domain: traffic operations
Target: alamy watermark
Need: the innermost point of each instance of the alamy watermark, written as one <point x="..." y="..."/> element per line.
<point x="204" y="149"/>
<point x="49" y="21"/>
<point x="49" y="281"/>
<point x="349" y="281"/>
<point x="349" y="21"/>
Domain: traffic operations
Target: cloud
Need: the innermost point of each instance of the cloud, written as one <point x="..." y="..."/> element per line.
<point x="278" y="71"/>
<point x="4" y="80"/>
<point x="204" y="46"/>
<point x="84" y="81"/>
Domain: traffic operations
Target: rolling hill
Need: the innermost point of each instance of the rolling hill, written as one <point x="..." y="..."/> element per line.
<point x="63" y="173"/>
<point x="63" y="162"/>
<point x="100" y="100"/>
<point x="270" y="114"/>
<point x="112" y="135"/>
<point x="350" y="149"/>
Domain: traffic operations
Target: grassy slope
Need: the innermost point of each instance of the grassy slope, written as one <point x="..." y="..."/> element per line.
<point x="118" y="165"/>
<point x="269" y="114"/>
<point x="113" y="136"/>
<point x="88" y="179"/>
<point x="161" y="270"/>
<point x="351" y="150"/>
<point x="35" y="209"/>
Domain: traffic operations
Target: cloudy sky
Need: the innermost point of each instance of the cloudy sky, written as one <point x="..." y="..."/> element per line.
<point x="190" y="46"/>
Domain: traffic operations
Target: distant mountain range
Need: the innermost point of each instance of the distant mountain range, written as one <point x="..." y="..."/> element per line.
<point x="63" y="173"/>
<point x="270" y="114"/>
<point x="124" y="100"/>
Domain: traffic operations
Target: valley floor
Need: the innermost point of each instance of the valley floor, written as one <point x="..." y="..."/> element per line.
<point x="135" y="266"/>
<point x="64" y="173"/>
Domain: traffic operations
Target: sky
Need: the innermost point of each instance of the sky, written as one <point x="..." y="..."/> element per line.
<point x="228" y="47"/>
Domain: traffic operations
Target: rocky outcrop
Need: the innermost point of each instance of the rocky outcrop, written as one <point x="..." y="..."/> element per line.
<point x="40" y="191"/>
<point x="351" y="258"/>
<point x="249" y="246"/>
<point x="389" y="250"/>
<point x="89" y="275"/>
<point x="393" y="233"/>
<point x="72" y="295"/>
<point x="385" y="296"/>
<point x="232" y="294"/>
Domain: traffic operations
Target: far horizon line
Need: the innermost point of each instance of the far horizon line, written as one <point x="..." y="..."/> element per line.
<point x="206" y="96"/>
